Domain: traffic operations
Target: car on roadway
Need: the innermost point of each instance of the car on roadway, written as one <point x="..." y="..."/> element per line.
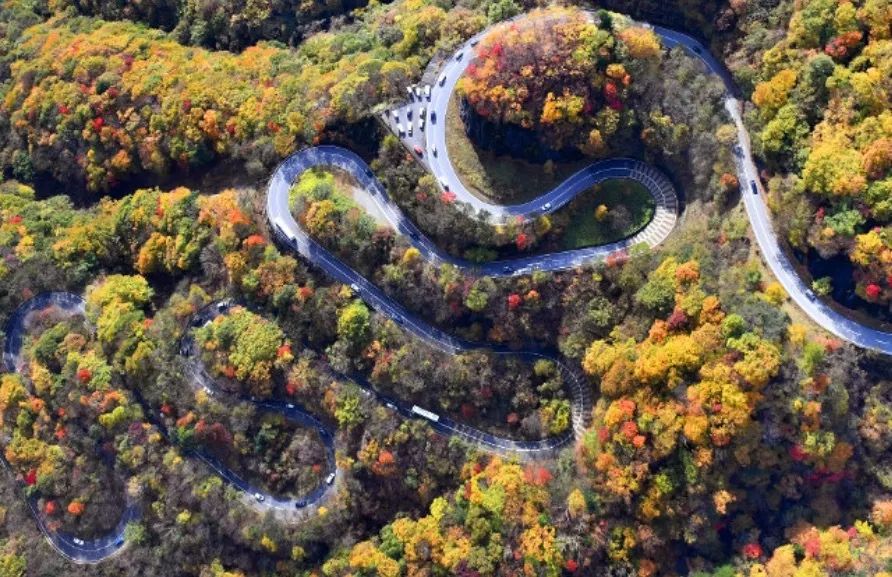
<point x="475" y="41"/>
<point x="546" y="206"/>
<point x="507" y="269"/>
<point x="433" y="116"/>
<point x="79" y="542"/>
<point x="390" y="405"/>
<point x="434" y="149"/>
<point x="442" y="80"/>
<point x="399" y="320"/>
<point x="330" y="479"/>
<point x="289" y="405"/>
<point x="444" y="184"/>
<point x="354" y="287"/>
<point x="119" y="541"/>
<point x="413" y="235"/>
<point x="260" y="498"/>
<point x="300" y="503"/>
<point x="810" y="295"/>
<point x="418" y="150"/>
<point x="697" y="49"/>
<point x="459" y="55"/>
<point x="753" y="187"/>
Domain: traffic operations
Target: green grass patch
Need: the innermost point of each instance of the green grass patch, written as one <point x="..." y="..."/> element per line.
<point x="630" y="207"/>
<point x="499" y="178"/>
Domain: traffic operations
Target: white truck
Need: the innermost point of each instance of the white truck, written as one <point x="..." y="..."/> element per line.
<point x="425" y="413"/>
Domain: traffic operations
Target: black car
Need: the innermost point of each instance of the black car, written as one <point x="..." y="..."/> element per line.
<point x="507" y="269"/>
<point x="753" y="187"/>
<point x="413" y="235"/>
<point x="300" y="503"/>
<point x="697" y="49"/>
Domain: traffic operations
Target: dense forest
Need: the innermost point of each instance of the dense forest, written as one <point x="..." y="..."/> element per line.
<point x="729" y="436"/>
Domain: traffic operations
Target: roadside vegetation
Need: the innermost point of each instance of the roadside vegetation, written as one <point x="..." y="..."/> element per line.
<point x="727" y="438"/>
<point x="610" y="211"/>
<point x="500" y="178"/>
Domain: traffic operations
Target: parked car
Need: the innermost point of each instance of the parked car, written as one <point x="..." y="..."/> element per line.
<point x="418" y="150"/>
<point x="427" y="92"/>
<point x="260" y="498"/>
<point x="421" y="123"/>
<point x="399" y="129"/>
<point x="78" y="542"/>
<point x="330" y="479"/>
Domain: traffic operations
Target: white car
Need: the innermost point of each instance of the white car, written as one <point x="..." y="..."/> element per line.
<point x="78" y="542"/>
<point x="410" y="129"/>
<point x="421" y="112"/>
<point x="417" y="92"/>
<point x="290" y="405"/>
<point x="399" y="129"/>
<point x="546" y="206"/>
<point x="396" y="114"/>
<point x="442" y="80"/>
<point x="444" y="184"/>
<point x="409" y="90"/>
<point x="434" y="149"/>
<point x="354" y="287"/>
<point x="330" y="479"/>
<point x="427" y="92"/>
<point x="421" y="123"/>
<point x="260" y="498"/>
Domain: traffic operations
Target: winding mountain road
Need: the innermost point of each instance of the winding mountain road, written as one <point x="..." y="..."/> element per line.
<point x="288" y="232"/>
<point x="760" y="218"/>
<point x="757" y="211"/>
<point x="81" y="551"/>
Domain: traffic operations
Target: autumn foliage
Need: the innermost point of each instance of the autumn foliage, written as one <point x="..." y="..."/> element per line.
<point x="558" y="73"/>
